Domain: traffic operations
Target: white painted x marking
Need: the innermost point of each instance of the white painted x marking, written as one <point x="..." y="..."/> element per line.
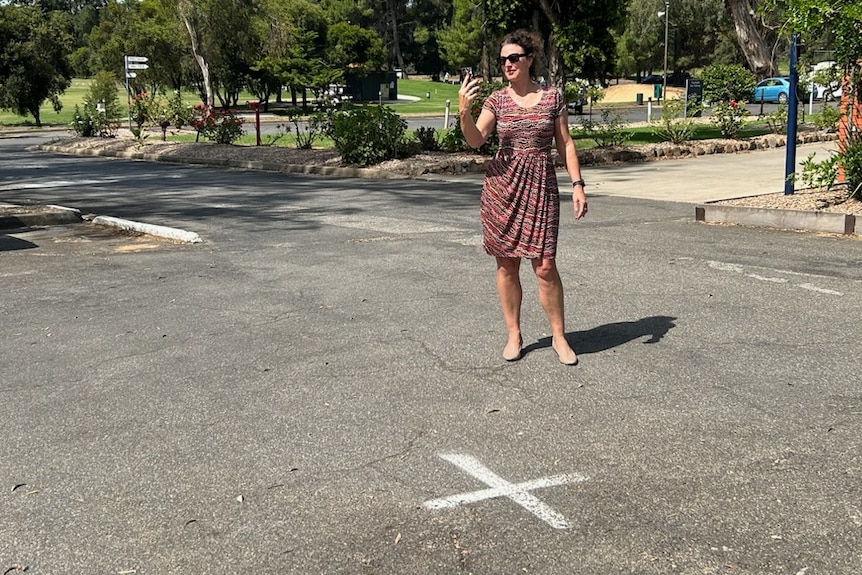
<point x="499" y="487"/>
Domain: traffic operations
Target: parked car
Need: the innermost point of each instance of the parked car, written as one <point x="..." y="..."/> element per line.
<point x="823" y="80"/>
<point x="677" y="79"/>
<point x="652" y="79"/>
<point x="772" y="90"/>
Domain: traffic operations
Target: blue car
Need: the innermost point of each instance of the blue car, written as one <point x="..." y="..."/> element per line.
<point x="772" y="90"/>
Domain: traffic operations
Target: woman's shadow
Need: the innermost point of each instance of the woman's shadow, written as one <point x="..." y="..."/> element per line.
<point x="612" y="335"/>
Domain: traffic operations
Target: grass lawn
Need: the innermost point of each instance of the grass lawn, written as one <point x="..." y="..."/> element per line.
<point x="432" y="100"/>
<point x="432" y="97"/>
<point x="74" y="95"/>
<point x="249" y="139"/>
<point x="439" y="92"/>
<point x="647" y="135"/>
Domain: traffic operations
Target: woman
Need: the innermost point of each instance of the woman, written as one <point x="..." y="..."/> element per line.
<point x="520" y="199"/>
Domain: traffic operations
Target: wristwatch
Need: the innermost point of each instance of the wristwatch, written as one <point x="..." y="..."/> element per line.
<point x="579" y="183"/>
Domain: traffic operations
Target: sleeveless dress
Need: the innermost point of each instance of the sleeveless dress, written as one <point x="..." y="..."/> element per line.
<point x="520" y="205"/>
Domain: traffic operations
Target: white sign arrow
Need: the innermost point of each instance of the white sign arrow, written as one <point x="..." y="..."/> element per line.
<point x="131" y="75"/>
<point x="137" y="66"/>
<point x="139" y="59"/>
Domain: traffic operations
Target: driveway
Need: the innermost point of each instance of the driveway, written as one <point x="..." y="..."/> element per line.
<point x="319" y="388"/>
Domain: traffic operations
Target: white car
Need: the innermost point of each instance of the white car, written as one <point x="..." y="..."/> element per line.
<point x="824" y="81"/>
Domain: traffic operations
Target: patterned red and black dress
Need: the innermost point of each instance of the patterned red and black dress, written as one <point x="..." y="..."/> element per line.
<point x="520" y="199"/>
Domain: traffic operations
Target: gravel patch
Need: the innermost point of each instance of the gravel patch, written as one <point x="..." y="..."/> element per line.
<point x="833" y="201"/>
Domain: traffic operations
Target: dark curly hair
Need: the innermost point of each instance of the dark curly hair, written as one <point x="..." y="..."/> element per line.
<point x="530" y="42"/>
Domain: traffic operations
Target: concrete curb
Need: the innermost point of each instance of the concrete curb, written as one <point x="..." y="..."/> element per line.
<point x="810" y="221"/>
<point x="59" y="215"/>
<point x="149" y="229"/>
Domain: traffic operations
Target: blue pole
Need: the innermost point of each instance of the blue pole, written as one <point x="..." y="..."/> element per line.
<point x="792" y="104"/>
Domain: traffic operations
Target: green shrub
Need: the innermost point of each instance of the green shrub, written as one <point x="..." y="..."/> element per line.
<point x="727" y="82"/>
<point x="850" y="158"/>
<point x="141" y="109"/>
<point x="824" y="174"/>
<point x="674" y="126"/>
<point x="100" y="114"/>
<point x="826" y="119"/>
<point x="427" y="138"/>
<point x="777" y="120"/>
<point x="179" y="113"/>
<point x="313" y="129"/>
<point x="366" y="135"/>
<point x="84" y="122"/>
<point x="219" y="126"/>
<point x="729" y="117"/>
<point x="408" y="146"/>
<point x="610" y="131"/>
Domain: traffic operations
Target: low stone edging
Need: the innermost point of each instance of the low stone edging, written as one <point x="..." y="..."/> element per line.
<point x="338" y="171"/>
<point x="446" y="163"/>
<point x="667" y="150"/>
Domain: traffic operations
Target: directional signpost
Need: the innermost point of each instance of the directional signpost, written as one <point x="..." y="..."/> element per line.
<point x="133" y="63"/>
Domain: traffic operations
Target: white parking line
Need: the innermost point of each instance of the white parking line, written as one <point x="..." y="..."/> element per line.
<point x="740" y="269"/>
<point x="817" y="289"/>
<point x="499" y="487"/>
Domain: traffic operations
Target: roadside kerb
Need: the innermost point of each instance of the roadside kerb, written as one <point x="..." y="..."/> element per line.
<point x="149" y="229"/>
<point x="812" y="221"/>
<point x="48" y="216"/>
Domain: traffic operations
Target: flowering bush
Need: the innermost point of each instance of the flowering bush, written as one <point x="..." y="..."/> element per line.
<point x="217" y="125"/>
<point x="140" y="108"/>
<point x="729" y="117"/>
<point x="179" y="113"/>
<point x="675" y="125"/>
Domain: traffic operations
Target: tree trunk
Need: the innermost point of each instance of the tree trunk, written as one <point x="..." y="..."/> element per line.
<point x="753" y="37"/>
<point x="556" y="66"/>
<point x="36" y="117"/>
<point x="200" y="58"/>
<point x="392" y="7"/>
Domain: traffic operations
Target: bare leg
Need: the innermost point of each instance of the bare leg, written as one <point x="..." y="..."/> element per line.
<point x="509" y="290"/>
<point x="551" y="298"/>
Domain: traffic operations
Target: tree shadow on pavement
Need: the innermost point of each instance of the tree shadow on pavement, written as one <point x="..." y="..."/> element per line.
<point x="11" y="243"/>
<point x="611" y="335"/>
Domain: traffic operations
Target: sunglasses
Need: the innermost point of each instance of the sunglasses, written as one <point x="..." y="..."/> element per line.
<point x="511" y="58"/>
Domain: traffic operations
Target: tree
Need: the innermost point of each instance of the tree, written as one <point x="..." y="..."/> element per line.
<point x="349" y="46"/>
<point x="579" y="37"/>
<point x="471" y="37"/>
<point x="157" y="34"/>
<point x="293" y="45"/>
<point x="193" y="17"/>
<point x="815" y="19"/>
<point x="34" y="66"/>
<point x="145" y="28"/>
<point x="755" y="37"/>
<point x="424" y="20"/>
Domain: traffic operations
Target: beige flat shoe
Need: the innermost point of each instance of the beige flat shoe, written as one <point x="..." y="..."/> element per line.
<point x="568" y="357"/>
<point x="510" y="355"/>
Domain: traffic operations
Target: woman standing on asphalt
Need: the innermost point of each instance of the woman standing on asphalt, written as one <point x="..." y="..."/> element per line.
<point x="520" y="206"/>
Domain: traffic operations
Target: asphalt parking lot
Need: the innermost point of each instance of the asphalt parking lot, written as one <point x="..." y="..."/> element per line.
<point x="318" y="386"/>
